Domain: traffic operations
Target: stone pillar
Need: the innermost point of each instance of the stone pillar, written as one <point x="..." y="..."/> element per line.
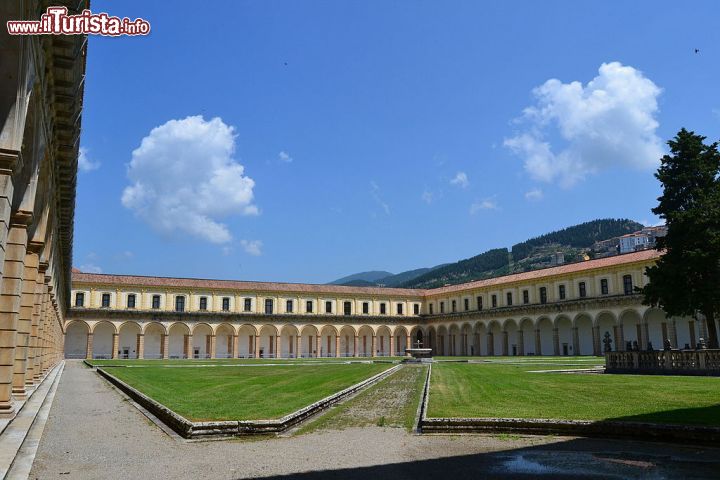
<point x="10" y="291"/>
<point x="278" y="346"/>
<point x="22" y="349"/>
<point x="673" y="334"/>
<point x="165" y="346"/>
<point x="505" y="343"/>
<point x="89" y="346"/>
<point x="38" y="321"/>
<point x="188" y="345"/>
<point x="298" y="346"/>
<point x="392" y="345"/>
<point x="621" y="339"/>
<point x="646" y="337"/>
<point x="140" y="346"/>
<point x="374" y="345"/>
<point x="556" y="342"/>
<point x="355" y="346"/>
<point x="115" y="345"/>
<point x="318" y="346"/>
<point x="490" y="344"/>
<point x="597" y="349"/>
<point x="576" y="341"/>
<point x="213" y="346"/>
<point x="407" y="343"/>
<point x="256" y="344"/>
<point x="538" y="342"/>
<point x="337" y="346"/>
<point x="521" y="343"/>
<point x="234" y="346"/>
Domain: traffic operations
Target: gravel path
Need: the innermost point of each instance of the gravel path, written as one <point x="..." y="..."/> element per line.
<point x="93" y="433"/>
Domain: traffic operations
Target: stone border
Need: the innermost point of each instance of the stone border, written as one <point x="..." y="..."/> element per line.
<point x="188" y="429"/>
<point x="694" y="434"/>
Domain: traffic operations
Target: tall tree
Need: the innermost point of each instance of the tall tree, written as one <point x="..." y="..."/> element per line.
<point x="685" y="281"/>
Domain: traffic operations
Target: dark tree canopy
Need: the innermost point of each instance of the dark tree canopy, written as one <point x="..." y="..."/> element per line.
<point x="686" y="279"/>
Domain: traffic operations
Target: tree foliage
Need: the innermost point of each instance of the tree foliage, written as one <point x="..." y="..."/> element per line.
<point x="686" y="279"/>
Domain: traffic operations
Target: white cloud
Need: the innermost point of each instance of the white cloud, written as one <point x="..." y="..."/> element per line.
<point x="253" y="247"/>
<point x="375" y="192"/>
<point x="183" y="178"/>
<point x="487" y="204"/>
<point x="284" y="157"/>
<point x="460" y="180"/>
<point x="534" y="195"/>
<point x="610" y="122"/>
<point x="85" y="164"/>
<point x="427" y="197"/>
<point x="90" y="268"/>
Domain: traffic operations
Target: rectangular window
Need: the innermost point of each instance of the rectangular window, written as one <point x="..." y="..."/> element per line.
<point x="105" y="300"/>
<point x="454" y="306"/>
<point x="203" y="303"/>
<point x="627" y="284"/>
<point x="467" y="304"/>
<point x="399" y="308"/>
<point x="131" y="300"/>
<point x="604" y="286"/>
<point x="268" y="306"/>
<point x="288" y="306"/>
<point x="347" y="308"/>
<point x="328" y="307"/>
<point x="442" y="307"/>
<point x="156" y="302"/>
<point x="526" y="296"/>
<point x="493" y="301"/>
<point x="247" y="304"/>
<point x="431" y="308"/>
<point x="226" y="304"/>
<point x="581" y="290"/>
<point x="543" y="295"/>
<point x="309" y="306"/>
<point x="79" y="299"/>
<point x="479" y="303"/>
<point x="561" y="292"/>
<point x="382" y="309"/>
<point x="509" y="299"/>
<point x="179" y="303"/>
<point x="366" y="308"/>
<point x="416" y="309"/>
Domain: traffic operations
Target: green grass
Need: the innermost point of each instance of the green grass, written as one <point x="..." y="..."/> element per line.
<point x="511" y="391"/>
<point x="231" y="361"/>
<point x="243" y="393"/>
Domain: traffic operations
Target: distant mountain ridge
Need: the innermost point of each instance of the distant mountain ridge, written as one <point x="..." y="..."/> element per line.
<point x="562" y="246"/>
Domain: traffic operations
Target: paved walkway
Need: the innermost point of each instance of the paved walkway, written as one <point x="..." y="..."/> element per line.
<point x="93" y="432"/>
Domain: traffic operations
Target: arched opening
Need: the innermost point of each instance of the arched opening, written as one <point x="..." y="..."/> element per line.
<point x="327" y="344"/>
<point x="153" y="338"/>
<point x="365" y="337"/>
<point x="308" y="341"/>
<point x="288" y="341"/>
<point x="76" y="340"/>
<point x="103" y="340"/>
<point x="632" y="330"/>
<point x="546" y="337"/>
<point x="528" y="336"/>
<point x="401" y="336"/>
<point x="224" y="341"/>
<point x="347" y="341"/>
<point x="453" y="340"/>
<point x="497" y="338"/>
<point x="607" y="327"/>
<point x="201" y="338"/>
<point x="268" y="342"/>
<point x="382" y="342"/>
<point x="178" y="334"/>
<point x="565" y="336"/>
<point x="443" y="341"/>
<point x="417" y="338"/>
<point x="512" y="348"/>
<point x="246" y="341"/>
<point x="432" y="340"/>
<point x="687" y="332"/>
<point x="583" y="323"/>
<point x="128" y="340"/>
<point x="480" y="339"/>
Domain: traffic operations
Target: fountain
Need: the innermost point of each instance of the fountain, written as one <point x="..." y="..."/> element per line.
<point x="419" y="354"/>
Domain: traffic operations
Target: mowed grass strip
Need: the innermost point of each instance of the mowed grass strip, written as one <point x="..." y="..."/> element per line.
<point x="245" y="393"/>
<point x="230" y="361"/>
<point x="509" y="391"/>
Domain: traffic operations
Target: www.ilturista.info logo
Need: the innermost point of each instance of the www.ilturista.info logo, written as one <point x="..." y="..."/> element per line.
<point x="56" y="21"/>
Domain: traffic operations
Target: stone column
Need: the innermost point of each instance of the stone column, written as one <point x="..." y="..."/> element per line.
<point x="278" y="347"/>
<point x="538" y="342"/>
<point x="407" y="343"/>
<point x="140" y="346"/>
<point x="597" y="349"/>
<point x="505" y="343"/>
<point x="213" y="346"/>
<point x="355" y="346"/>
<point x="392" y="345"/>
<point x="234" y="347"/>
<point x="38" y="321"/>
<point x="490" y="344"/>
<point x="188" y="345"/>
<point x="89" y="346"/>
<point x="374" y="345"/>
<point x="576" y="341"/>
<point x="556" y="342"/>
<point x="115" y="345"/>
<point x="10" y="291"/>
<point x="318" y="346"/>
<point x="337" y="346"/>
<point x="646" y="337"/>
<point x="256" y="344"/>
<point x="165" y="346"/>
<point x="621" y="334"/>
<point x="298" y="346"/>
<point x="521" y="343"/>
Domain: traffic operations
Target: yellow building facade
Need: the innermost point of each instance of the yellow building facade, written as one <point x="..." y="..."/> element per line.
<point x="564" y="310"/>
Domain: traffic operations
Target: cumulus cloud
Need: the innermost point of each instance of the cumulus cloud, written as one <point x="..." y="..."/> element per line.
<point x="183" y="178"/>
<point x="461" y="180"/>
<point x="85" y="164"/>
<point x="284" y="157"/>
<point x="534" y="195"/>
<point x="375" y="193"/>
<point x="609" y="122"/>
<point x="253" y="247"/>
<point x="90" y="268"/>
<point x="487" y="204"/>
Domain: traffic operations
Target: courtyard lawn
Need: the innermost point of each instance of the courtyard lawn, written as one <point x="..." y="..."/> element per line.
<point x="208" y="393"/>
<point x="512" y="391"/>
<point x="231" y="361"/>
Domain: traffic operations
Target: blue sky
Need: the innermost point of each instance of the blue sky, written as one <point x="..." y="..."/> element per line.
<point x="303" y="141"/>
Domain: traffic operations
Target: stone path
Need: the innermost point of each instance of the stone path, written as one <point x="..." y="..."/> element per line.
<point x="92" y="432"/>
